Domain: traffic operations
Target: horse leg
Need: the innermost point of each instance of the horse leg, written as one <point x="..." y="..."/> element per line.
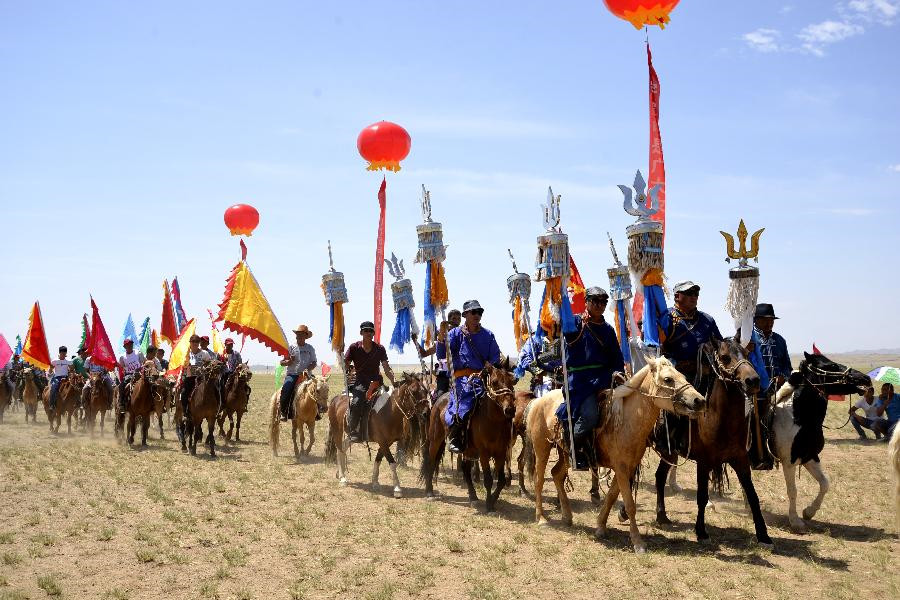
<point x="294" y="428"/>
<point x="311" y="427"/>
<point x="603" y="515"/>
<point x="815" y="469"/>
<point x="594" y="492"/>
<point x="742" y="468"/>
<point x="212" y="436"/>
<point x="631" y="509"/>
<point x="342" y="445"/>
<point x="542" y="455"/>
<point x="230" y="426"/>
<point x="558" y="472"/>
<point x="467" y="476"/>
<point x="673" y="481"/>
<point x="68" y="422"/>
<point x="520" y="463"/>
<point x="702" y="499"/>
<point x="376" y="467"/>
<point x="194" y="435"/>
<point x="398" y="493"/>
<point x="237" y="431"/>
<point x="790" y="481"/>
<point x="661" y="472"/>
<point x="220" y="418"/>
<point x="130" y="429"/>
<point x="485" y="462"/>
<point x="161" y="435"/>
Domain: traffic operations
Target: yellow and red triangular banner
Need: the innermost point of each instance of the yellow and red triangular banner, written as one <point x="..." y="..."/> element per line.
<point x="35" y="350"/>
<point x="180" y="349"/>
<point x="245" y="311"/>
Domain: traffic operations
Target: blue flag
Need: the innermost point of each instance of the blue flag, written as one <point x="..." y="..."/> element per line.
<point x="128" y="333"/>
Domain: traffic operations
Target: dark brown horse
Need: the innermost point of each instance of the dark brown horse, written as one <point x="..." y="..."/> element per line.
<point x="237" y="395"/>
<point x="67" y="397"/>
<point x="720" y="436"/>
<point x="203" y="406"/>
<point x="489" y="437"/>
<point x="30" y="394"/>
<point x="387" y="424"/>
<point x="99" y="401"/>
<point x="141" y="404"/>
<point x="6" y="395"/>
<point x="163" y="398"/>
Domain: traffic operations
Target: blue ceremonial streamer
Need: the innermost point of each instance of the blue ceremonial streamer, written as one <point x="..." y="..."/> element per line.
<point x="429" y="318"/>
<point x="654" y="308"/>
<point x="623" y="341"/>
<point x="539" y="330"/>
<point x="18" y="345"/>
<point x="568" y="322"/>
<point x="330" y="323"/>
<point x="402" y="330"/>
<point x="128" y="332"/>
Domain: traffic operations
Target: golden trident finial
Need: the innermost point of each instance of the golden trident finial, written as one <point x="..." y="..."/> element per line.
<point x="742" y="254"/>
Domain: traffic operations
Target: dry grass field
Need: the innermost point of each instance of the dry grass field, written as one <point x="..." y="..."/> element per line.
<point x="85" y="518"/>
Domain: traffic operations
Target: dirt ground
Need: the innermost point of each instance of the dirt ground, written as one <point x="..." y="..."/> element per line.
<point x="85" y="518"/>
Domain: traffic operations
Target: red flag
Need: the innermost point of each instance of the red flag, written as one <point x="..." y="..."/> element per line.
<point x="101" y="349"/>
<point x="325" y="369"/>
<point x="36" y="350"/>
<point x="835" y="397"/>
<point x="576" y="288"/>
<point x="379" y="260"/>
<point x="167" y="328"/>
<point x="657" y="166"/>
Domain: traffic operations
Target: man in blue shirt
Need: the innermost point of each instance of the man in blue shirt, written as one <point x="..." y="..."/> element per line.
<point x="439" y="349"/>
<point x="889" y="409"/>
<point x="593" y="355"/>
<point x="773" y="348"/>
<point x="686" y="329"/>
<point x="541" y="363"/>
<point x="472" y="347"/>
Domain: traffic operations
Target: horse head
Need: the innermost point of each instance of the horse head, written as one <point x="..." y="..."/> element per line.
<point x="671" y="390"/>
<point x="76" y="380"/>
<point x="830" y="377"/>
<point x="243" y="373"/>
<point x="728" y="360"/>
<point x="321" y="393"/>
<point x="413" y="393"/>
<point x="212" y="369"/>
<point x="498" y="386"/>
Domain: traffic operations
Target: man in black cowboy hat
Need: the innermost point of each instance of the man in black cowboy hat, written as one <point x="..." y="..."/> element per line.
<point x="772" y="346"/>
<point x="364" y="358"/>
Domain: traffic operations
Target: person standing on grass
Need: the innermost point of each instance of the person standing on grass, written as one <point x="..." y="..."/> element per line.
<point x="870" y="417"/>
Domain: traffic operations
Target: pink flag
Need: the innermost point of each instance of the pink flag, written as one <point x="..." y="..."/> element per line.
<point x="325" y="369"/>
<point x="5" y="351"/>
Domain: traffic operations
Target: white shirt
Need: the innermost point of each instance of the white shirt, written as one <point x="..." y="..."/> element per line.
<point x="869" y="409"/>
<point x="131" y="362"/>
<point x="61" y="367"/>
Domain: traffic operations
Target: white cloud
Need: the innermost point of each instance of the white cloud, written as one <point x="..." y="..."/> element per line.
<point x="490" y="127"/>
<point x="851" y="212"/>
<point x="763" y="40"/>
<point x="894" y="168"/>
<point x="786" y="9"/>
<point x="875" y="10"/>
<point x="815" y="37"/>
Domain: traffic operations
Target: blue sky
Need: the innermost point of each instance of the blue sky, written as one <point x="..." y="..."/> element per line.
<point x="127" y="130"/>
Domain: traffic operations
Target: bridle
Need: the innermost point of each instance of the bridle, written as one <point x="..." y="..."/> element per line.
<point x="842" y="378"/>
<point x="404" y="391"/>
<point x="496" y="393"/>
<point x="726" y="374"/>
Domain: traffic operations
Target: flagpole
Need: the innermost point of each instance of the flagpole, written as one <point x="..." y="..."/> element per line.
<point x="562" y="352"/>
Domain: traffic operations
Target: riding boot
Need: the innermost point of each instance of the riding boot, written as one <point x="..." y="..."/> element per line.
<point x="353" y="420"/>
<point x="584" y="452"/>
<point x="284" y="403"/>
<point x="457" y="435"/>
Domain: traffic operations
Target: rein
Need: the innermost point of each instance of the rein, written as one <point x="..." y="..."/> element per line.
<point x="843" y="378"/>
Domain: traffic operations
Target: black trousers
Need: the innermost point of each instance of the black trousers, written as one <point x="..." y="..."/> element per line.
<point x="187" y="388"/>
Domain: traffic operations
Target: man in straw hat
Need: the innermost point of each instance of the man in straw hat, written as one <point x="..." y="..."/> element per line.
<point x="301" y="360"/>
<point x="365" y="357"/>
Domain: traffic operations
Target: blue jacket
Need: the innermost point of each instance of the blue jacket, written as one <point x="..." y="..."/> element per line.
<point x="473" y="350"/>
<point x="685" y="336"/>
<point x="593" y="354"/>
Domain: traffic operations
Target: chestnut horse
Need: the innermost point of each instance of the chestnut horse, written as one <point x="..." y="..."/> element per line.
<point x="203" y="406"/>
<point x="30" y="395"/>
<point x="310" y="401"/>
<point x="141" y="404"/>
<point x="237" y="395"/>
<point x="98" y="402"/>
<point x="490" y="435"/>
<point x="389" y="424"/>
<point x="720" y="436"/>
<point x="67" y="398"/>
<point x="6" y="394"/>
<point x="628" y="416"/>
<point x="163" y="398"/>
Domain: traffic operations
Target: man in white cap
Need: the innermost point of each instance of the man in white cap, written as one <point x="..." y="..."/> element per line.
<point x="301" y="360"/>
<point x="686" y="329"/>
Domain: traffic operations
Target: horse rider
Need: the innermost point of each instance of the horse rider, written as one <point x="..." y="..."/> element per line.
<point x="78" y="362"/>
<point x="204" y="347"/>
<point x="7" y="376"/>
<point x="538" y="358"/>
<point x="301" y="360"/>
<point x="364" y="357"/>
<point x="685" y="330"/>
<point x="60" y="370"/>
<point x="151" y="360"/>
<point x="161" y="357"/>
<point x="196" y="358"/>
<point x="129" y="363"/>
<point x="593" y="356"/>
<point x="232" y="359"/>
<point x="90" y="367"/>
<point x="472" y="348"/>
<point x="777" y="364"/>
<point x="439" y="350"/>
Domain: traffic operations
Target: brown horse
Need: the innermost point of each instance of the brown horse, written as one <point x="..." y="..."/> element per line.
<point x="98" y="402"/>
<point x="628" y="417"/>
<point x="163" y="395"/>
<point x="30" y="395"/>
<point x="6" y="394"/>
<point x="141" y="404"/>
<point x="203" y="406"/>
<point x="310" y="401"/>
<point x="721" y="436"/>
<point x="67" y="398"/>
<point x="490" y="435"/>
<point x="390" y="420"/>
<point x="237" y="395"/>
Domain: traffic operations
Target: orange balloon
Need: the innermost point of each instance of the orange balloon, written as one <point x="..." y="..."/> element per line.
<point x="642" y="12"/>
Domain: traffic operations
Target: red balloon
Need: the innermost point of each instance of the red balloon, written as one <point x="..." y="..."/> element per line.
<point x="384" y="145"/>
<point x="241" y="219"/>
<point x="642" y="12"/>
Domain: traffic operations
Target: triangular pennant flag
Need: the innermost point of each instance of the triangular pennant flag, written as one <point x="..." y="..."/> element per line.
<point x="144" y="336"/>
<point x="325" y="370"/>
<point x="101" y="349"/>
<point x="181" y="349"/>
<point x="246" y="311"/>
<point x="36" y="350"/>
<point x="128" y="332"/>
<point x="279" y="375"/>
<point x="168" y="330"/>
<point x="5" y="351"/>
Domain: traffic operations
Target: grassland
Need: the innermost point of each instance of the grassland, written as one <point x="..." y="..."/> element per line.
<point x="85" y="518"/>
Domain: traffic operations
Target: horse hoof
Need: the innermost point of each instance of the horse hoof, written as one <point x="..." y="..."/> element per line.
<point x="596" y="499"/>
<point x="473" y="504"/>
<point x="398" y="493"/>
<point x="623" y="516"/>
<point x="662" y="519"/>
<point x="676" y="489"/>
<point x="769" y="546"/>
<point x="600" y="533"/>
<point x="798" y="526"/>
<point x="567" y="521"/>
<point x="640" y="549"/>
<point x="808" y="514"/>
<point x="343" y="482"/>
<point x="703" y="538"/>
<point x="542" y="522"/>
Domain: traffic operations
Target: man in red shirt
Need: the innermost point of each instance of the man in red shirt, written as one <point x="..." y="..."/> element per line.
<point x="364" y="358"/>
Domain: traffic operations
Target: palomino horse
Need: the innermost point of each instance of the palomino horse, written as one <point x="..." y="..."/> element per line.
<point x="720" y="436"/>
<point x="163" y="395"/>
<point x="628" y="417"/>
<point x="67" y="398"/>
<point x="30" y="395"/>
<point x="203" y="405"/>
<point x="98" y="402"/>
<point x="798" y="439"/>
<point x="894" y="457"/>
<point x="310" y="401"/>
<point x="237" y="395"/>
<point x="390" y="420"/>
<point x="489" y="437"/>
<point x="141" y="404"/>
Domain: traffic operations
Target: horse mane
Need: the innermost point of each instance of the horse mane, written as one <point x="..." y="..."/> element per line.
<point x="784" y="393"/>
<point x="620" y="393"/>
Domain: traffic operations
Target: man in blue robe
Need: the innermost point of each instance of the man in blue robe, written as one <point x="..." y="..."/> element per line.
<point x="592" y="356"/>
<point x="774" y="367"/>
<point x="472" y="347"/>
<point x="541" y="363"/>
<point x="686" y="329"/>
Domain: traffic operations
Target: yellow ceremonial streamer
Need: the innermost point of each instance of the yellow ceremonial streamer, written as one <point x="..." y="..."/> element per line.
<point x="218" y="346"/>
<point x="181" y="347"/>
<point x="337" y="338"/>
<point x="517" y="324"/>
<point x="439" y="294"/>
<point x="653" y="277"/>
<point x="552" y="298"/>
<point x="248" y="308"/>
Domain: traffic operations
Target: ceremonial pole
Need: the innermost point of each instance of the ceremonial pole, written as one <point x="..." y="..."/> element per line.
<point x="519" y="286"/>
<point x="335" y="297"/>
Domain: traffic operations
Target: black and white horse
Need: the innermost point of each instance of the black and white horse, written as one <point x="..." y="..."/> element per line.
<point x="797" y="436"/>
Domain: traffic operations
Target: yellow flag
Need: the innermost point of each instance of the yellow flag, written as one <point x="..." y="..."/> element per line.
<point x="218" y="346"/>
<point x="180" y="350"/>
<point x="246" y="311"/>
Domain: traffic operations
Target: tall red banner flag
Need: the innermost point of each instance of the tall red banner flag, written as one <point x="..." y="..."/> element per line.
<point x="379" y="259"/>
<point x="657" y="166"/>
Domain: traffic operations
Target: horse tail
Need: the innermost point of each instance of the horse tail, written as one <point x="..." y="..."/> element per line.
<point x="429" y="464"/>
<point x="330" y="446"/>
<point x="894" y="454"/>
<point x="718" y="477"/>
<point x="274" y="424"/>
<point x="530" y="458"/>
